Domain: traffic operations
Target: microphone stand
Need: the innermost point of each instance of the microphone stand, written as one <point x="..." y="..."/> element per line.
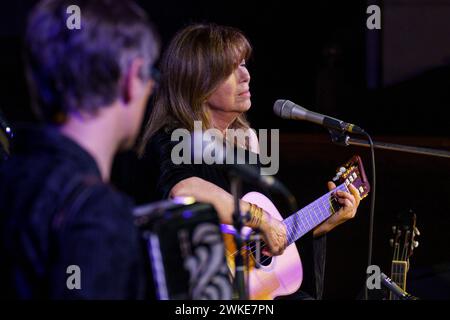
<point x="395" y="289"/>
<point x="239" y="279"/>
<point x="341" y="138"/>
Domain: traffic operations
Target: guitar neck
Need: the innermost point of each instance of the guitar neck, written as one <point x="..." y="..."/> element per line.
<point x="399" y="270"/>
<point x="312" y="215"/>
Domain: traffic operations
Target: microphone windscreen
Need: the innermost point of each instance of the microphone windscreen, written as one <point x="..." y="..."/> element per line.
<point x="283" y="108"/>
<point x="278" y="107"/>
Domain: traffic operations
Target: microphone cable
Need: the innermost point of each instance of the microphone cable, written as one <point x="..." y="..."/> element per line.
<point x="372" y="210"/>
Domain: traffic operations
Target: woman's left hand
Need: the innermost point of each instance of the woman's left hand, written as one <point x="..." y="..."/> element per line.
<point x="349" y="204"/>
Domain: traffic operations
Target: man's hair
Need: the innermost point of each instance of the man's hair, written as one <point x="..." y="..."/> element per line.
<point x="81" y="69"/>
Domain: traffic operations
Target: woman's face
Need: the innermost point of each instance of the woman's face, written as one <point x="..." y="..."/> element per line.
<point x="233" y="95"/>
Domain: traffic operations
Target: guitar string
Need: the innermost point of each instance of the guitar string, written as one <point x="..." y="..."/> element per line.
<point x="400" y="267"/>
<point x="394" y="268"/>
<point x="404" y="258"/>
<point x="324" y="201"/>
<point x="398" y="272"/>
<point x="290" y="229"/>
<point x="252" y="249"/>
<point x="268" y="257"/>
<point x="405" y="247"/>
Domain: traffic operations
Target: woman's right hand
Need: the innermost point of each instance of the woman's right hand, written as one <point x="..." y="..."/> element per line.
<point x="273" y="230"/>
<point x="274" y="235"/>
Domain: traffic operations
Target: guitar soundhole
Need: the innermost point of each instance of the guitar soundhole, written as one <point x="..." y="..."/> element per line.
<point x="263" y="259"/>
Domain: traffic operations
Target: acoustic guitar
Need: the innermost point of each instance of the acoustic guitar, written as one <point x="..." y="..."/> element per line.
<point x="403" y="244"/>
<point x="269" y="277"/>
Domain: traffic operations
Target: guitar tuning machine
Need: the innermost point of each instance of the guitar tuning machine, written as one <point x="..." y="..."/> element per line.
<point x="416" y="244"/>
<point x="394" y="229"/>
<point x="339" y="173"/>
<point x="391" y="242"/>
<point x="416" y="231"/>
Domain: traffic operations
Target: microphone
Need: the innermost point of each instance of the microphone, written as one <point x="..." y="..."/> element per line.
<point x="392" y="286"/>
<point x="236" y="164"/>
<point x="288" y="110"/>
<point x="252" y="175"/>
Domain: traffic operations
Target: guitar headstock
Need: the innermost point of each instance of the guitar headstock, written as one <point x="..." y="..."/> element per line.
<point x="353" y="172"/>
<point x="404" y="236"/>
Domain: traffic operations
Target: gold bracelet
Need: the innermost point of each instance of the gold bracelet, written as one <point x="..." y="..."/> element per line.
<point x="255" y="215"/>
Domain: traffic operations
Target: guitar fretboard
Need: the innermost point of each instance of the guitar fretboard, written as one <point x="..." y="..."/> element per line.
<point x="312" y="215"/>
<point x="398" y="275"/>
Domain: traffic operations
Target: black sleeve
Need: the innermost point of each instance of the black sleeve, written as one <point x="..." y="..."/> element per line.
<point x="169" y="173"/>
<point x="101" y="241"/>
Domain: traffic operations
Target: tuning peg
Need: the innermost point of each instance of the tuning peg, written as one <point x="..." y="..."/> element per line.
<point x="391" y="242"/>
<point x="415" y="244"/>
<point x="416" y="231"/>
<point x="339" y="174"/>
<point x="394" y="229"/>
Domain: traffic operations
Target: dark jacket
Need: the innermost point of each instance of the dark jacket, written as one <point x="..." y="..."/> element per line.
<point x="56" y="213"/>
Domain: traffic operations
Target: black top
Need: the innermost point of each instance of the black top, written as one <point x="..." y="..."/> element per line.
<point x="55" y="212"/>
<point x="169" y="174"/>
<point x="151" y="177"/>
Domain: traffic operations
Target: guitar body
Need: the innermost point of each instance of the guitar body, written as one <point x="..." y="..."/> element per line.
<point x="283" y="275"/>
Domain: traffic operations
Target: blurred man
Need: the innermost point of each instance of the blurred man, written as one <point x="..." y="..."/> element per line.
<point x="65" y="233"/>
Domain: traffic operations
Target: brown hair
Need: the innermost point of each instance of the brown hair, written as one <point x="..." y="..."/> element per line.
<point x="198" y="59"/>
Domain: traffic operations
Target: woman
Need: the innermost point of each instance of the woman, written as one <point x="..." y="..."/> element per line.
<point x="205" y="78"/>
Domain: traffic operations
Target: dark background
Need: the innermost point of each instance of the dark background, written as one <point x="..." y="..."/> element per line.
<point x="393" y="82"/>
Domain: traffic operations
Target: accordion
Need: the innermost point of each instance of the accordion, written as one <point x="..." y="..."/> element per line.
<point x="185" y="250"/>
